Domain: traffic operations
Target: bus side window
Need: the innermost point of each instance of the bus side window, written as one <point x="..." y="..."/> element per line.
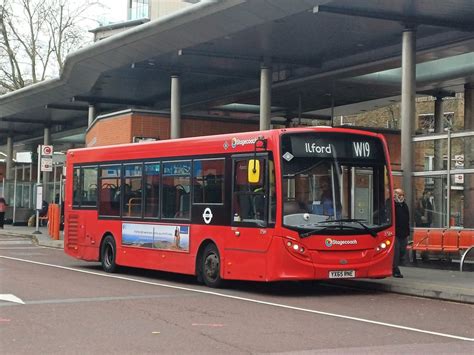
<point x="176" y="180"/>
<point x="249" y="199"/>
<point x="109" y="182"/>
<point x="89" y="186"/>
<point x="208" y="181"/>
<point x="132" y="190"/>
<point x="271" y="192"/>
<point x="152" y="190"/>
<point x="76" y="199"/>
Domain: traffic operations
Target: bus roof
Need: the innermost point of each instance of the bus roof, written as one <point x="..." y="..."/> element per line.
<point x="203" y="145"/>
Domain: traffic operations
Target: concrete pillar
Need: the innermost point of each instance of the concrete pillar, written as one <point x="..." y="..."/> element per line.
<point x="175" y="125"/>
<point x="46" y="141"/>
<point x="408" y="112"/>
<point x="468" y="210"/>
<point x="91" y="115"/>
<point x="438" y="193"/>
<point x="9" y="159"/>
<point x="265" y="97"/>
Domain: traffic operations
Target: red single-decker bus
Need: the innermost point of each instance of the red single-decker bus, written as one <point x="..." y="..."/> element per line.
<point x="285" y="204"/>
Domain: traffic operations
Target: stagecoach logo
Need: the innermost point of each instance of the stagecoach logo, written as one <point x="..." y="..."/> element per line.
<point x="236" y="142"/>
<point x="207" y="215"/>
<point x="226" y="145"/>
<point x="330" y="242"/>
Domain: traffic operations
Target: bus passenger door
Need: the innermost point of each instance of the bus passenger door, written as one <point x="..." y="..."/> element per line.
<point x="250" y="236"/>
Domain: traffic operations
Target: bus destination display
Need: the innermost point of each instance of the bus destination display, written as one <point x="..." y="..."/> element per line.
<point x="333" y="146"/>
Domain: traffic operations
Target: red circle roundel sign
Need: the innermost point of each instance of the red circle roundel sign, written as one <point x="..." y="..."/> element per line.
<point x="47" y="150"/>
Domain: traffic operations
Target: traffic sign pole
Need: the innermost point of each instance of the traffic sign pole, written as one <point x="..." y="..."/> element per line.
<point x="37" y="231"/>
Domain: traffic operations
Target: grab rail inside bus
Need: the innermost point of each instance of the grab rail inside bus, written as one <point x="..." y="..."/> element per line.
<point x="131" y="204"/>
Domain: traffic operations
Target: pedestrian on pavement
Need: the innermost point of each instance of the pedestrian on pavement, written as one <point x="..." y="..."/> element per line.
<point x="3" y="208"/>
<point x="402" y="230"/>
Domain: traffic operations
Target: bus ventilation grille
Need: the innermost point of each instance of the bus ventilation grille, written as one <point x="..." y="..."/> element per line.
<point x="72" y="230"/>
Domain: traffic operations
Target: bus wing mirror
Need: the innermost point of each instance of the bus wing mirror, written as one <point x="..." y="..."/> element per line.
<point x="253" y="169"/>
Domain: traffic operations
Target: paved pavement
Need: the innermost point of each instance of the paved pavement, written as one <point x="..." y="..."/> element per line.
<point x="438" y="284"/>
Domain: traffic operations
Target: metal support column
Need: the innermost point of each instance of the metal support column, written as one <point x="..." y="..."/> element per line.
<point x="175" y="126"/>
<point x="439" y="200"/>
<point x="265" y="97"/>
<point x="468" y="209"/>
<point x="408" y="111"/>
<point x="46" y="141"/>
<point x="9" y="159"/>
<point x="91" y="115"/>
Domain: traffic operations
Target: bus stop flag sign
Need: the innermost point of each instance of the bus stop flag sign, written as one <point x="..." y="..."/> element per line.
<point x="46" y="164"/>
<point x="46" y="150"/>
<point x="46" y="157"/>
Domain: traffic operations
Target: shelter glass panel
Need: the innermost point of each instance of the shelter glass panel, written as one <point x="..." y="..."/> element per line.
<point x="462" y="200"/>
<point x="430" y="155"/>
<point x="430" y="203"/>
<point x="462" y="153"/>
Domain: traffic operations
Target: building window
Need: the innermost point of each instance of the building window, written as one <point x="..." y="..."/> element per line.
<point x="426" y="122"/>
<point x="138" y="9"/>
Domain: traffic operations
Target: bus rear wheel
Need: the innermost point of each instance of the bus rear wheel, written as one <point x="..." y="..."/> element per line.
<point x="108" y="253"/>
<point x="211" y="266"/>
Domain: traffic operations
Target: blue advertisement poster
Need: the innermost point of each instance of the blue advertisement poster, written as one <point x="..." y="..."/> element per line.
<point x="156" y="236"/>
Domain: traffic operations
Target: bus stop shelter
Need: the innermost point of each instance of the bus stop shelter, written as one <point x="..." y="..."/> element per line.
<point x="290" y="59"/>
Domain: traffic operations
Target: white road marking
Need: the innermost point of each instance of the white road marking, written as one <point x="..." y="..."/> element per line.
<point x="10" y="298"/>
<point x="207" y="325"/>
<point x="245" y="299"/>
<point x="15" y="242"/>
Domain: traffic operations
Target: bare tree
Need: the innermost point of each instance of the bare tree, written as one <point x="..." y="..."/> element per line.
<point x="36" y="36"/>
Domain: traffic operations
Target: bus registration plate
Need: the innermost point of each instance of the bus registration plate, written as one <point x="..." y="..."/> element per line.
<point x="341" y="274"/>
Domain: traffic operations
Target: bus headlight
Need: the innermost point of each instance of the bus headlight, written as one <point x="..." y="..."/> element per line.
<point x="383" y="246"/>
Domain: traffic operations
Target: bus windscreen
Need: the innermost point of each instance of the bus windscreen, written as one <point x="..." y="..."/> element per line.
<point x="334" y="184"/>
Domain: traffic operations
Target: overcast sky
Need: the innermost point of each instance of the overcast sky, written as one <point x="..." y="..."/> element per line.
<point x="115" y="11"/>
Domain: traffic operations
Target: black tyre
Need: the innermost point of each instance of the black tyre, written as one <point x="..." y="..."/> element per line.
<point x="108" y="254"/>
<point x="211" y="266"/>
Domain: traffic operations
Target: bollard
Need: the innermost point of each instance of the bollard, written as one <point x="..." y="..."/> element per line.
<point x="55" y="224"/>
<point x="50" y="218"/>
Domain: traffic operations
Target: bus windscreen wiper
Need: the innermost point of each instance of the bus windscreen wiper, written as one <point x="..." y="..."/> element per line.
<point x="325" y="228"/>
<point x="314" y="231"/>
<point x="358" y="221"/>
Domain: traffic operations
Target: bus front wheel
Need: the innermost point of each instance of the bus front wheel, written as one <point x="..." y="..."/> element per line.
<point x="211" y="266"/>
<point x="108" y="253"/>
